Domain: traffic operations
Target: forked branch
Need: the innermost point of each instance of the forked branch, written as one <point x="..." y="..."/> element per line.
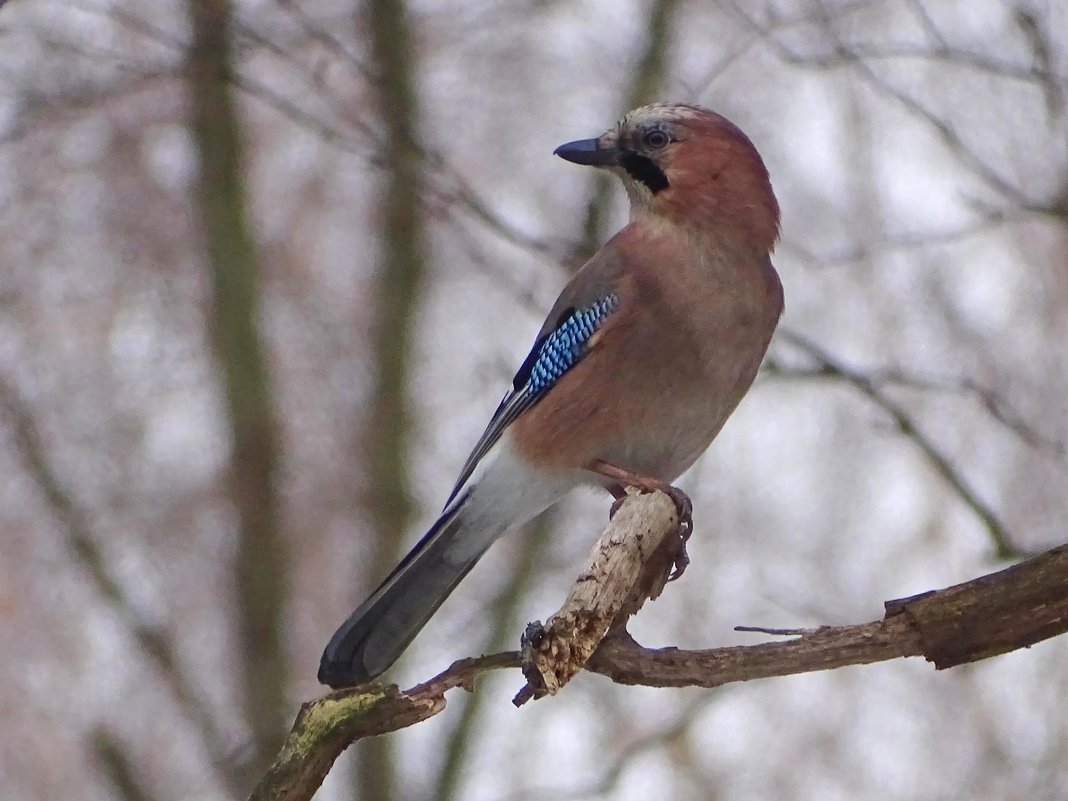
<point x="1000" y="612"/>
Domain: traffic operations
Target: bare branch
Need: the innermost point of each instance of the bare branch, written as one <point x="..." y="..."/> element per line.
<point x="116" y="764"/>
<point x="989" y="219"/>
<point x="1042" y="53"/>
<point x="313" y="31"/>
<point x="82" y="541"/>
<point x="830" y="366"/>
<point x="1000" y="612"/>
<point x="327" y="726"/>
<point x="630" y="563"/>
<point x="776" y="632"/>
<point x="987" y="398"/>
<point x="855" y="57"/>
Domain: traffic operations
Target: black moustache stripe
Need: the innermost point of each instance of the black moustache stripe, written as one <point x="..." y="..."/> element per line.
<point x="644" y="169"/>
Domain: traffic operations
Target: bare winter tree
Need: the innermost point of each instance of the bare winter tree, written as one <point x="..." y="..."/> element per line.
<point x="266" y="270"/>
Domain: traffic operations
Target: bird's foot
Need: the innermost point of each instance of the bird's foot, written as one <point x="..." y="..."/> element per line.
<point x="620" y="495"/>
<point x="684" y="509"/>
<point x="683" y="504"/>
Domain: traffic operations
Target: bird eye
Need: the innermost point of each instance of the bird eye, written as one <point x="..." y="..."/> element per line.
<point x="656" y="139"/>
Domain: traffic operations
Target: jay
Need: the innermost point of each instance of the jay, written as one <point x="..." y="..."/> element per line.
<point x="645" y="354"/>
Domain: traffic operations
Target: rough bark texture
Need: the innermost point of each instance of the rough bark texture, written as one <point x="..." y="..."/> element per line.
<point x="995" y="614"/>
<point x="327" y="726"/>
<point x="1012" y="608"/>
<point x="629" y="565"/>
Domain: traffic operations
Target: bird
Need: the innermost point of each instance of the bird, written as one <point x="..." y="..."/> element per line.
<point x="645" y="354"/>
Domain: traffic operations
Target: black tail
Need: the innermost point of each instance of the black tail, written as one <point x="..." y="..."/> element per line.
<point x="377" y="633"/>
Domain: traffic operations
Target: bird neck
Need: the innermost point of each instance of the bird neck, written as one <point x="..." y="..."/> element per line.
<point x="708" y="232"/>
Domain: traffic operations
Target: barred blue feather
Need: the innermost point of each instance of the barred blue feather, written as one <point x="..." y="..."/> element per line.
<point x="552" y="355"/>
<point x="564" y="346"/>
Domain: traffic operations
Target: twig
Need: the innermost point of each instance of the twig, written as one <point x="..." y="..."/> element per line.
<point x="81" y="541"/>
<point x="1013" y="608"/>
<point x="778" y="632"/>
<point x="987" y="398"/>
<point x="828" y="365"/>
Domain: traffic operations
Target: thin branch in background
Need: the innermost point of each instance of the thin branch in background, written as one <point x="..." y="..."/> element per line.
<point x="780" y="20"/>
<point x="829" y="366"/>
<point x="612" y="775"/>
<point x="699" y="88"/>
<point x="261" y="91"/>
<point x="139" y="25"/>
<point x="316" y="84"/>
<point x="318" y="34"/>
<point x="115" y="60"/>
<point x="919" y="11"/>
<point x="456" y="189"/>
<point x="953" y="56"/>
<point x="845" y="55"/>
<point x="994" y="614"/>
<point x="989" y="220"/>
<point x="1042" y="53"/>
<point x="82" y="544"/>
<point x="444" y="184"/>
<point x="114" y="758"/>
<point x="327" y="132"/>
<point x="743" y="44"/>
<point x="1000" y="411"/>
<point x="948" y="134"/>
<point x="940" y="51"/>
<point x="987" y="398"/>
<point x="444" y="188"/>
<point x="35" y="110"/>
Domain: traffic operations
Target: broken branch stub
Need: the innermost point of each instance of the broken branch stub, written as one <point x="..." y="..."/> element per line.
<point x="630" y="564"/>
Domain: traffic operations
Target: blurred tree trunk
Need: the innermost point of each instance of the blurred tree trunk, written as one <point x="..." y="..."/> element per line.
<point x="260" y="559"/>
<point x="400" y="274"/>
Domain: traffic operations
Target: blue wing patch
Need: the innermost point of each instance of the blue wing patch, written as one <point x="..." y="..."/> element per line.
<point x="562" y="348"/>
<point x="552" y="355"/>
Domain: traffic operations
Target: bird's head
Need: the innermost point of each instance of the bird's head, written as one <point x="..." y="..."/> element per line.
<point x="689" y="166"/>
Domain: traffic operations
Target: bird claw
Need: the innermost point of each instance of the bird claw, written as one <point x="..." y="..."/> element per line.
<point x="683" y="505"/>
<point x="684" y="510"/>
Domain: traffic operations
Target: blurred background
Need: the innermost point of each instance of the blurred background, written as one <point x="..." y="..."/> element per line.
<point x="266" y="269"/>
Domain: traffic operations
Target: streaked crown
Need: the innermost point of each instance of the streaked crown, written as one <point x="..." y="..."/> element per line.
<point x="690" y="166"/>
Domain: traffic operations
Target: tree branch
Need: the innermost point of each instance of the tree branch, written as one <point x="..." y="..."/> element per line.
<point x="904" y="422"/>
<point x="84" y="545"/>
<point x="1013" y="608"/>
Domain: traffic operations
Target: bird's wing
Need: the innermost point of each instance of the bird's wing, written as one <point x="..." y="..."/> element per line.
<point x="565" y="338"/>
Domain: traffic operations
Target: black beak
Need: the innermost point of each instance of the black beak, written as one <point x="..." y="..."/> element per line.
<point x="588" y="152"/>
